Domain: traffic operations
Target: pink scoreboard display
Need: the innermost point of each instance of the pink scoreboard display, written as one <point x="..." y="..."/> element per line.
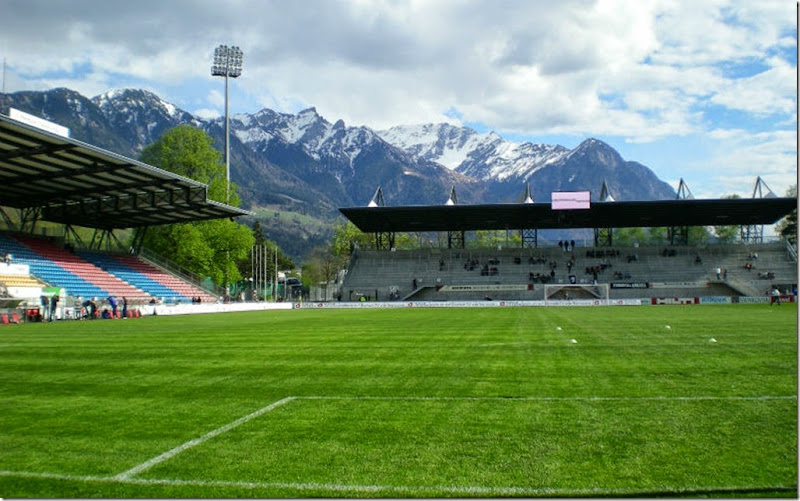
<point x="568" y="200"/>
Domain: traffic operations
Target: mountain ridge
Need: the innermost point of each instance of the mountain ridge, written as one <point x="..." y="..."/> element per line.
<point x="302" y="163"/>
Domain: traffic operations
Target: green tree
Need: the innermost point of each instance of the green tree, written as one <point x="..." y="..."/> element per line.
<point x="657" y="236"/>
<point x="493" y="238"/>
<point x="699" y="235"/>
<point x="346" y="237"/>
<point x="189" y="152"/>
<point x="787" y="227"/>
<point x="627" y="237"/>
<point x="208" y="248"/>
<point x="321" y="265"/>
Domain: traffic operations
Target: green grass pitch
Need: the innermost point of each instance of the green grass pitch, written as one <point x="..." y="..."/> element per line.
<point x="463" y="402"/>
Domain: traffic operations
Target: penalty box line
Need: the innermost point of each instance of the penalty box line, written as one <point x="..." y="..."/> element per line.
<point x="197" y="441"/>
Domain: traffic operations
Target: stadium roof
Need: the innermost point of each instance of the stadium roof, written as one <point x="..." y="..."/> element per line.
<point x="642" y="214"/>
<point x="79" y="184"/>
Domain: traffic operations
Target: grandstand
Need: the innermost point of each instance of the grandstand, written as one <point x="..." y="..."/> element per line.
<point x="95" y="274"/>
<point x="676" y="270"/>
<point x="50" y="177"/>
<point x="521" y="274"/>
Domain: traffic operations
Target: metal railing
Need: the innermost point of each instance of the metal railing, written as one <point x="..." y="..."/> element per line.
<point x="179" y="271"/>
<point x="792" y="251"/>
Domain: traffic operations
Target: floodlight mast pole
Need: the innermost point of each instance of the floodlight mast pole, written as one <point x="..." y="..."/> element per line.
<point x="227" y="147"/>
<point x="227" y="63"/>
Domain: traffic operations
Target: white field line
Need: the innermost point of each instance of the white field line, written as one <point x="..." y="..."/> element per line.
<point x="562" y="399"/>
<point x="191" y="443"/>
<point x="406" y="489"/>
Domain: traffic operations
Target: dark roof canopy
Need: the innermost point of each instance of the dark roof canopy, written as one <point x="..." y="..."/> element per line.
<point x="76" y="183"/>
<point x="659" y="213"/>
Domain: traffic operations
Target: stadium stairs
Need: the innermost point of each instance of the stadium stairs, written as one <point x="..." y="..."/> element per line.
<point x="672" y="271"/>
<point x="59" y="268"/>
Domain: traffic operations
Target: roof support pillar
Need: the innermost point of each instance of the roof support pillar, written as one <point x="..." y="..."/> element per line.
<point x="455" y="240"/>
<point x="28" y="218"/>
<point x="6" y="218"/>
<point x="138" y="239"/>
<point x="101" y="236"/>
<point x="70" y="231"/>
<point x="530" y="238"/>
<point x="752" y="234"/>
<point x="384" y="240"/>
<point x="603" y="237"/>
<point x="678" y="235"/>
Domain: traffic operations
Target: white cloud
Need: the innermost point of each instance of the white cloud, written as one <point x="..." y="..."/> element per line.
<point x="642" y="71"/>
<point x="768" y="92"/>
<point x="216" y="98"/>
<point x="740" y="156"/>
<point x="207" y="114"/>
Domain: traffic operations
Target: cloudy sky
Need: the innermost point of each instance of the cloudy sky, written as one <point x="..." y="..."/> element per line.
<point x="705" y="90"/>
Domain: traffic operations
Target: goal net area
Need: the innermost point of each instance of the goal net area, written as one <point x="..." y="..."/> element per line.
<point x="585" y="293"/>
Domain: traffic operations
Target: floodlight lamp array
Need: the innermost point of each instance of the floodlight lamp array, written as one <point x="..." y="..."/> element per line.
<point x="227" y="61"/>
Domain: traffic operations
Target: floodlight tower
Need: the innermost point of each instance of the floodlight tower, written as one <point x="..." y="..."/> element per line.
<point x="227" y="63"/>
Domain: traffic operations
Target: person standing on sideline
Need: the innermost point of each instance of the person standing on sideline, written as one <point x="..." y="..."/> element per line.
<point x="45" y="308"/>
<point x="124" y="307"/>
<point x="53" y="306"/>
<point x="113" y="302"/>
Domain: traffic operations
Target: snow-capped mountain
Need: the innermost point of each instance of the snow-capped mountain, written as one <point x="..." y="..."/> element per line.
<point x="487" y="157"/>
<point x="302" y="163"/>
<point x="507" y="165"/>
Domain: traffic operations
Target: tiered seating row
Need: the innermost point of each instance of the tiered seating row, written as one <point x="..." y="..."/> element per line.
<point x="133" y="276"/>
<point x="21" y="281"/>
<point x="60" y="268"/>
<point x="378" y="272"/>
<point x="170" y="282"/>
<point x="48" y="271"/>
